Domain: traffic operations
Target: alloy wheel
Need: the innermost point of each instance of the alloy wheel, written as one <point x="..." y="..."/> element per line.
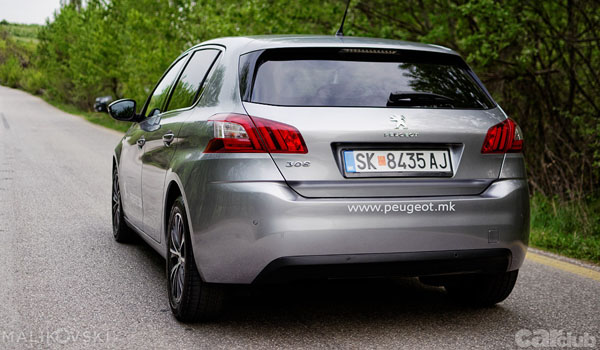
<point x="176" y="257"/>
<point x="116" y="203"/>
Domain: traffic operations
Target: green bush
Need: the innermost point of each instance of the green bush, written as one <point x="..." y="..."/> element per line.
<point x="15" y="60"/>
<point x="33" y="80"/>
<point x="569" y="228"/>
<point x="11" y="72"/>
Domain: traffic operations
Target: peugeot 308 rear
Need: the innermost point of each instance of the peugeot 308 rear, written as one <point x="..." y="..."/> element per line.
<point x="324" y="157"/>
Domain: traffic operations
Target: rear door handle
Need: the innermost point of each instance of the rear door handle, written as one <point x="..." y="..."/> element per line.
<point x="168" y="138"/>
<point x="141" y="141"/>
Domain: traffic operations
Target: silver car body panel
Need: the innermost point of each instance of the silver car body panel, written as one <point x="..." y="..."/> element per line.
<point x="246" y="210"/>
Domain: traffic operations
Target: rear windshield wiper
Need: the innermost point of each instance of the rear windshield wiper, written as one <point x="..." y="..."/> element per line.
<point x="415" y="99"/>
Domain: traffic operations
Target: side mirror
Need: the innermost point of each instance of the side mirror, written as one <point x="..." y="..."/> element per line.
<point x="123" y="110"/>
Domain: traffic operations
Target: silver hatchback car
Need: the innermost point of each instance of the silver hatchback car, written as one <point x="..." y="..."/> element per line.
<point x="278" y="158"/>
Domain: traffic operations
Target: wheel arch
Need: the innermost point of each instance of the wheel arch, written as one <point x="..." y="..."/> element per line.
<point x="174" y="189"/>
<point x="171" y="194"/>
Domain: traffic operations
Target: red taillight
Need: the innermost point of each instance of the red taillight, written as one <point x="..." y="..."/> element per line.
<point x="233" y="133"/>
<point x="279" y="137"/>
<point x="505" y="137"/>
<point x="238" y="133"/>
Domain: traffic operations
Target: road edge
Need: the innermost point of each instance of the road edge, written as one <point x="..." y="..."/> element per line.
<point x="570" y="265"/>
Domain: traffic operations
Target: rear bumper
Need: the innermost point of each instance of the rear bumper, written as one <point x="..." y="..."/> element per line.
<point x="263" y="231"/>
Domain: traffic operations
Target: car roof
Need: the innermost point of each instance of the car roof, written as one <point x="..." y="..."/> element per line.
<point x="245" y="44"/>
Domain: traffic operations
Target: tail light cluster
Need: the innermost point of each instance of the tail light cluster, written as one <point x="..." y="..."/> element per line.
<point x="505" y="137"/>
<point x="238" y="133"/>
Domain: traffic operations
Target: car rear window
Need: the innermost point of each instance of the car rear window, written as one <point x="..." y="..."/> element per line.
<point x="360" y="78"/>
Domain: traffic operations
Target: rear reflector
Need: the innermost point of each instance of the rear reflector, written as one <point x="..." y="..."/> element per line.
<point x="505" y="137"/>
<point x="238" y="133"/>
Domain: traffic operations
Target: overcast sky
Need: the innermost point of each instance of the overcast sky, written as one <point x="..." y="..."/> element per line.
<point x="28" y="11"/>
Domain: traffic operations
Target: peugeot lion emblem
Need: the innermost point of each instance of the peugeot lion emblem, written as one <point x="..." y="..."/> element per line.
<point x="400" y="121"/>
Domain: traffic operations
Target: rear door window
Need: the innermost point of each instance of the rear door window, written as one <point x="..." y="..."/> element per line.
<point x="361" y="78"/>
<point x="161" y="92"/>
<point x="190" y="83"/>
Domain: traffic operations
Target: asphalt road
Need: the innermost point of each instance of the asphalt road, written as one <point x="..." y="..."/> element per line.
<point x="64" y="282"/>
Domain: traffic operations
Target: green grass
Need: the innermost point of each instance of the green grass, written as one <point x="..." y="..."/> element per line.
<point x="97" y="118"/>
<point x="25" y="33"/>
<point x="571" y="229"/>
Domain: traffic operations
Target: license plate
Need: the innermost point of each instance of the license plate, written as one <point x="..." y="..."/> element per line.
<point x="402" y="162"/>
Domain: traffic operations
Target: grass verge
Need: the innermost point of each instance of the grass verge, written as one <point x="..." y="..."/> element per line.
<point x="97" y="118"/>
<point x="571" y="229"/>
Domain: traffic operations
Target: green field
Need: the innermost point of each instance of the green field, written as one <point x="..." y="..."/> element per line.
<point x="24" y="33"/>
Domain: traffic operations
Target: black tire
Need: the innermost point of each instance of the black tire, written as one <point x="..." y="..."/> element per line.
<point x="190" y="298"/>
<point x="482" y="290"/>
<point x="121" y="232"/>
